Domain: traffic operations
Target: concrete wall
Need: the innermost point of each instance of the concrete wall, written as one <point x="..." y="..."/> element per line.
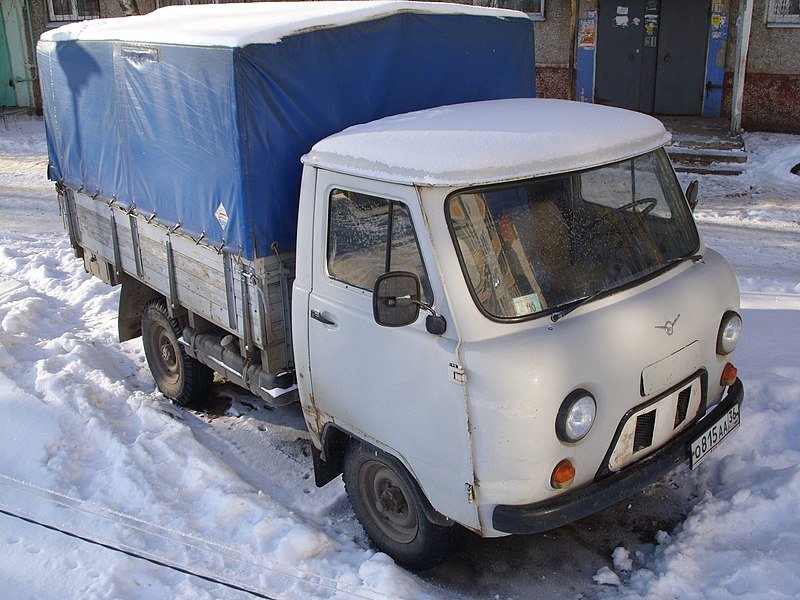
<point x="772" y="83"/>
<point x="554" y="51"/>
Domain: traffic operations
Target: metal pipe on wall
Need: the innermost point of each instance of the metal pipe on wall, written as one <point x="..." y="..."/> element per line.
<point x="743" y="23"/>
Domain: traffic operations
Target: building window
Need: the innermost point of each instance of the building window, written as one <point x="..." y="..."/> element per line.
<point x="73" y="10"/>
<point x="783" y="13"/>
<point x="162" y="3"/>
<point x="534" y="8"/>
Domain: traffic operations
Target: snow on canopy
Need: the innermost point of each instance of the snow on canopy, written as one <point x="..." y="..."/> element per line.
<point x="483" y="142"/>
<point x="239" y="25"/>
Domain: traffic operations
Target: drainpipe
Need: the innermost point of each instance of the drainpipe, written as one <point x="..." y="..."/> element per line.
<point x="573" y="36"/>
<point x="32" y="48"/>
<point x="743" y="23"/>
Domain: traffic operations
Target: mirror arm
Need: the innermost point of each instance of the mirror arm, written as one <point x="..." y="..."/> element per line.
<point x="435" y="323"/>
<point x="425" y="307"/>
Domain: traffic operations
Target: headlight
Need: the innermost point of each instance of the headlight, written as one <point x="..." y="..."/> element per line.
<point x="576" y="416"/>
<point x="729" y="330"/>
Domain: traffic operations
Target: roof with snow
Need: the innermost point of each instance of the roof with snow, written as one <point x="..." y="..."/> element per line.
<point x="491" y="141"/>
<point x="239" y="25"/>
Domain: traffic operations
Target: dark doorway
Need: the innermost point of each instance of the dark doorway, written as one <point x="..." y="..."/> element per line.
<point x="651" y="55"/>
<point x="8" y="96"/>
<point x="620" y="39"/>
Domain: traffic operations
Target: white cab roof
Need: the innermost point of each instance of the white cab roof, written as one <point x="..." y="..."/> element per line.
<point x="491" y="141"/>
<point x="238" y="25"/>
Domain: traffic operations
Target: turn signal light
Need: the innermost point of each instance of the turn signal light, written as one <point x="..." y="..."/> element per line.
<point x="728" y="375"/>
<point x="563" y="475"/>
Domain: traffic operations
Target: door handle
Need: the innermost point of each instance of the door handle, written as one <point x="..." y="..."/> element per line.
<point x="315" y="314"/>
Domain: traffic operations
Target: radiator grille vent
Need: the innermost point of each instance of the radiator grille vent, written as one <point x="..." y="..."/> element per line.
<point x="682" y="406"/>
<point x="645" y="424"/>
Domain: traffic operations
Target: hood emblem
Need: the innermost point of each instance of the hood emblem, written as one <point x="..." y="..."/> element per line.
<point x="669" y="326"/>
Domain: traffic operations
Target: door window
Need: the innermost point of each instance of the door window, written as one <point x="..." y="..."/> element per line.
<point x="369" y="236"/>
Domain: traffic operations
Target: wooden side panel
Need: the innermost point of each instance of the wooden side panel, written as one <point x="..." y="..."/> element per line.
<point x="258" y="289"/>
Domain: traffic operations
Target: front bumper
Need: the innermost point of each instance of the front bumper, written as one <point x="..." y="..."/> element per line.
<point x="579" y="503"/>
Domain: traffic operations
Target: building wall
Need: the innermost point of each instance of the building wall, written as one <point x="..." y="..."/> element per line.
<point x="772" y="84"/>
<point x="554" y="51"/>
<point x="771" y="99"/>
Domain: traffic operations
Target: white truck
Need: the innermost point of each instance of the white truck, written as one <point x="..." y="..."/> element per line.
<point x="496" y="311"/>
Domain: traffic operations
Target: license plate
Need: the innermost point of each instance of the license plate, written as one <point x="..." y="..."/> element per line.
<point x="705" y="444"/>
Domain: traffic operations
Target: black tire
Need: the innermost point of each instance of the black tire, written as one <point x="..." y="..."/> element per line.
<point x="388" y="503"/>
<point x="180" y="377"/>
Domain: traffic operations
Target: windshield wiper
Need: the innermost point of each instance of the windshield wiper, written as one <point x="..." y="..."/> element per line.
<point x="575" y="304"/>
<point x="695" y="258"/>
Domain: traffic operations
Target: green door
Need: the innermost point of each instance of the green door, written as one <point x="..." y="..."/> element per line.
<point x="8" y="96"/>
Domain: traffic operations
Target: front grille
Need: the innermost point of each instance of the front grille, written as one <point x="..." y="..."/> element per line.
<point x="643" y="437"/>
<point x="682" y="406"/>
<point x="652" y="424"/>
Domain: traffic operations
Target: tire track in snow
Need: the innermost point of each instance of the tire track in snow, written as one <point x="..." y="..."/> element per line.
<point x="58" y="344"/>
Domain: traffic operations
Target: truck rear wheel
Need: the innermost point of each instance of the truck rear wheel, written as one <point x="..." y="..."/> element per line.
<point x="180" y="377"/>
<point x="388" y="503"/>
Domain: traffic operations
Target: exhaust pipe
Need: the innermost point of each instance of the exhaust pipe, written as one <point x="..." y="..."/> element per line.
<point x="275" y="389"/>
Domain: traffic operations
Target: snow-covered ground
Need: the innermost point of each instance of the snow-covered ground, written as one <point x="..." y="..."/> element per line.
<point x="89" y="449"/>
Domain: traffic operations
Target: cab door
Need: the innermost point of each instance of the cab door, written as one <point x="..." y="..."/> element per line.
<point x="393" y="387"/>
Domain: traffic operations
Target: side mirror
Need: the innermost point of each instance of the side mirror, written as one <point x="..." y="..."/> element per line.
<point x="396" y="299"/>
<point x="691" y="194"/>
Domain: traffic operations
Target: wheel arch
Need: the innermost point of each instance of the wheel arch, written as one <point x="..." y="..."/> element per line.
<point x="329" y="464"/>
<point x="329" y="461"/>
<point x="133" y="297"/>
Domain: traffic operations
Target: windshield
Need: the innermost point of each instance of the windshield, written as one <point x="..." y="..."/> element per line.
<point x="536" y="246"/>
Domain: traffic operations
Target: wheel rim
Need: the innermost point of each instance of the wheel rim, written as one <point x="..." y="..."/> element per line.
<point x="389" y="502"/>
<point x="167" y="364"/>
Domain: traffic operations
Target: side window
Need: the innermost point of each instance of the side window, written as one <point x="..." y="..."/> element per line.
<point x="369" y="236"/>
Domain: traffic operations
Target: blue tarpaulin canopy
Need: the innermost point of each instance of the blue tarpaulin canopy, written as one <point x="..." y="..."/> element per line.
<point x="211" y="136"/>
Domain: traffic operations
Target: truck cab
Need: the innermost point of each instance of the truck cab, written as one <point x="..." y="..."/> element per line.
<point x="507" y="307"/>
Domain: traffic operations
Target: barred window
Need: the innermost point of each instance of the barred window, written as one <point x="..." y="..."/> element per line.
<point x="783" y="13"/>
<point x="163" y="3"/>
<point x="73" y="10"/>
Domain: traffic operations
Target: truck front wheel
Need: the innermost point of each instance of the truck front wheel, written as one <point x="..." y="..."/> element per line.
<point x="388" y="503"/>
<point x="180" y="377"/>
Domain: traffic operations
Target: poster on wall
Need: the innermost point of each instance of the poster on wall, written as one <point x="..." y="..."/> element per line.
<point x="650" y="30"/>
<point x="587" y="33"/>
<point x="587" y="42"/>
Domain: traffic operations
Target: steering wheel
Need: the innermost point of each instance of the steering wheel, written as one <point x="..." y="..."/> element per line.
<point x="650" y="202"/>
